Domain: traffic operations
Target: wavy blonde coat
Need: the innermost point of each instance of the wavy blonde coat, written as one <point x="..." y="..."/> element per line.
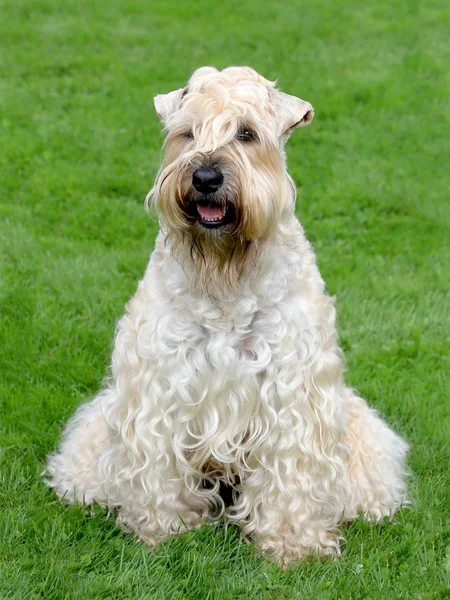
<point x="226" y="366"/>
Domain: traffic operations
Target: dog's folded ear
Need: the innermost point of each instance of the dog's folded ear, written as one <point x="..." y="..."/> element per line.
<point x="292" y="112"/>
<point x="167" y="104"/>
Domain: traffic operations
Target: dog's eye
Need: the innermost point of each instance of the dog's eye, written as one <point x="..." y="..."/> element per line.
<point x="188" y="135"/>
<point x="245" y="134"/>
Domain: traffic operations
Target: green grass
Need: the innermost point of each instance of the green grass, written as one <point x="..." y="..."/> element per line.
<point x="80" y="145"/>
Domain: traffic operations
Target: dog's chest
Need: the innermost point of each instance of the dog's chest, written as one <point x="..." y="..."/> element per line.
<point x="216" y="345"/>
<point x="220" y="377"/>
<point x="203" y="349"/>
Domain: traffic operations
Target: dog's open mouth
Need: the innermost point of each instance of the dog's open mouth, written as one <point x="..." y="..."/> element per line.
<point x="212" y="214"/>
<point x="209" y="212"/>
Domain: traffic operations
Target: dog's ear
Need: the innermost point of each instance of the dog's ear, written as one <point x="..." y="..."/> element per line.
<point x="167" y="104"/>
<point x="292" y="112"/>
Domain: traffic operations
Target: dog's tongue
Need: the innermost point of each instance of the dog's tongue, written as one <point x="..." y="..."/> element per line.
<point x="209" y="210"/>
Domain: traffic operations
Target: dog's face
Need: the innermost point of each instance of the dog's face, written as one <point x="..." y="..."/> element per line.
<point x="223" y="181"/>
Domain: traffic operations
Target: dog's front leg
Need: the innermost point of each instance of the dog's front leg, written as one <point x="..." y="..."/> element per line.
<point x="144" y="473"/>
<point x="154" y="499"/>
<point x="293" y="496"/>
<point x="292" y="506"/>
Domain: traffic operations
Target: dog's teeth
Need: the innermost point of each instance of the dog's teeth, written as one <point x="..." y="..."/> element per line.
<point x="217" y="219"/>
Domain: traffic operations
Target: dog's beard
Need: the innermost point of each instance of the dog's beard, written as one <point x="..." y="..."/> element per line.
<point x="219" y="237"/>
<point x="215" y="241"/>
<point x="214" y="254"/>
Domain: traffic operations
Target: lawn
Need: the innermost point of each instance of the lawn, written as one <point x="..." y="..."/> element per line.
<point x="80" y="145"/>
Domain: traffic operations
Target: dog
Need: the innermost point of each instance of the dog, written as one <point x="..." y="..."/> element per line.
<point x="226" y="369"/>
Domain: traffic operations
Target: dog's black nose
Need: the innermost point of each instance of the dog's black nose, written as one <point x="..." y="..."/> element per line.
<point x="207" y="180"/>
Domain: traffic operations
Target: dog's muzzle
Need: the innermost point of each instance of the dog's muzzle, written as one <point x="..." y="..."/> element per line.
<point x="210" y="207"/>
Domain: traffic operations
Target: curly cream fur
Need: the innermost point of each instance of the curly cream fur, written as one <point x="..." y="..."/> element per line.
<point x="226" y="365"/>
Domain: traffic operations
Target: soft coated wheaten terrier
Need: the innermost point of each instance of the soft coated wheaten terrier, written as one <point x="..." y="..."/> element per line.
<point x="226" y="369"/>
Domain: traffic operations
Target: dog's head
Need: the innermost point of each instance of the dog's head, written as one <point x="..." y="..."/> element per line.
<point x="223" y="183"/>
